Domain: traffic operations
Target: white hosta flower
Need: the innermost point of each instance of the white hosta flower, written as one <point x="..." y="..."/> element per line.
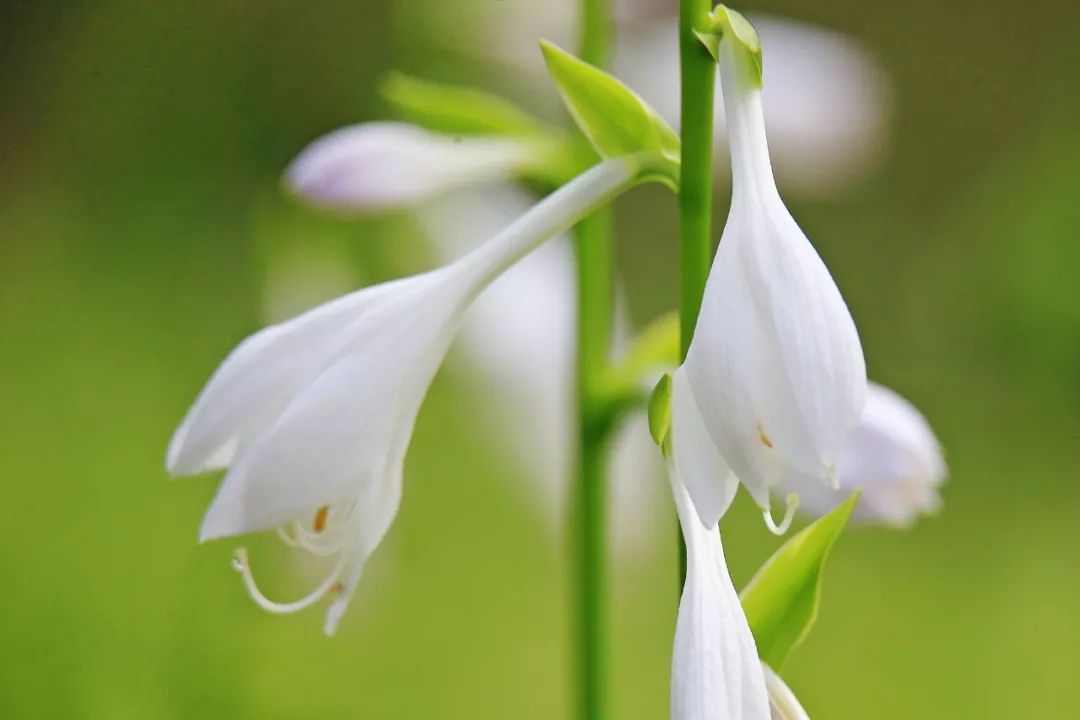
<point x="782" y="702"/>
<point x="826" y="104"/>
<point x="386" y="165"/>
<point x="892" y="456"/>
<point x="715" y="670"/>
<point x="313" y="416"/>
<point x="775" y="366"/>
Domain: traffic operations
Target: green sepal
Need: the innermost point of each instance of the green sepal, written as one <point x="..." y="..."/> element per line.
<point x="615" y="120"/>
<point x="725" y="21"/>
<point x="660" y="413"/>
<point x="457" y="109"/>
<point x="782" y="599"/>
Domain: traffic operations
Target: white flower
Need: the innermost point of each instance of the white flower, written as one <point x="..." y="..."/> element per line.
<point x="384" y="165"/>
<point x="892" y="456"/>
<point x="313" y="416"/>
<point x="782" y="702"/>
<point x="715" y="670"/>
<point x="775" y="366"/>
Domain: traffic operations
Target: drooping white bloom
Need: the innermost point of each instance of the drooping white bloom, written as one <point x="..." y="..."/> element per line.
<point x="715" y="670"/>
<point x="385" y="165"/>
<point x="521" y="335"/>
<point x="313" y="416"/>
<point x="782" y="702"/>
<point x="892" y="456"/>
<point x="775" y="366"/>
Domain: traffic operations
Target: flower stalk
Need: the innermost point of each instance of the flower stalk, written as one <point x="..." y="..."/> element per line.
<point x="594" y="251"/>
<point x="697" y="82"/>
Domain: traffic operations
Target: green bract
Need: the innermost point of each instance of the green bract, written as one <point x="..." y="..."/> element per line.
<point x="660" y="412"/>
<point x="456" y="109"/>
<point x="781" y="601"/>
<point x="724" y="20"/>
<point x="614" y="119"/>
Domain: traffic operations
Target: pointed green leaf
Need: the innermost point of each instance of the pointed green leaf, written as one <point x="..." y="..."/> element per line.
<point x="456" y="109"/>
<point x="781" y="601"/>
<point x="614" y="119"/>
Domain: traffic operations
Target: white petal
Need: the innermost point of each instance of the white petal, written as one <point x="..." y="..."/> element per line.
<point x="776" y="364"/>
<point x="728" y="367"/>
<point x="892" y="456"/>
<point x="782" y="702"/>
<point x="340" y="436"/>
<point x="258" y="379"/>
<point x="716" y="673"/>
<point x="378" y="166"/>
<point x="376" y="510"/>
<point x="700" y="465"/>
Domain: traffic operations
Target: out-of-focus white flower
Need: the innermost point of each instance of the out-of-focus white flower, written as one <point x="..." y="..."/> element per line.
<point x="826" y="103"/>
<point x="775" y="366"/>
<point x="313" y="416"/>
<point x="782" y="702"/>
<point x="521" y="333"/>
<point x="892" y="456"/>
<point x="715" y="670"/>
<point x="386" y="165"/>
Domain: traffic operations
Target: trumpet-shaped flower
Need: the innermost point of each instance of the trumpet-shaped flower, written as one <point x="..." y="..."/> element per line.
<point x="892" y="456"/>
<point x="715" y="670"/>
<point x="386" y="165"/>
<point x="313" y="416"/>
<point x="775" y="366"/>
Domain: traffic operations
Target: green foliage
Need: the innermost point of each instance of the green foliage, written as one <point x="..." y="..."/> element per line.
<point x="655" y="347"/>
<point x="614" y="119"/>
<point x="660" y="412"/>
<point x="457" y="109"/>
<point x="781" y="601"/>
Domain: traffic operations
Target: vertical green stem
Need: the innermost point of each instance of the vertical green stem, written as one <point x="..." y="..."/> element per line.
<point x="697" y="85"/>
<point x="595" y="265"/>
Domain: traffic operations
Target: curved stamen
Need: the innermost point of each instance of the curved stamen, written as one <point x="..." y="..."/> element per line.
<point x="792" y="501"/>
<point x="240" y="563"/>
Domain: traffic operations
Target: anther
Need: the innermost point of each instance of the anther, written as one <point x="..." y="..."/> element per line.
<point x="319" y="523"/>
<point x="763" y="437"/>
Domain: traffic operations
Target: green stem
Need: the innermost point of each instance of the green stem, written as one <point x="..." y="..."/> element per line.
<point x="594" y="249"/>
<point x="595" y="265"/>
<point x="697" y="85"/>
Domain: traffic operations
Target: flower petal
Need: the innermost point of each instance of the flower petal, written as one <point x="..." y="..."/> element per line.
<point x="716" y="673"/>
<point x="782" y="702"/>
<point x="380" y="166"/>
<point x="892" y="456"/>
<point x="258" y="379"/>
<point x="728" y="365"/>
<point x="817" y="397"/>
<point x="708" y="478"/>
<point x="338" y="438"/>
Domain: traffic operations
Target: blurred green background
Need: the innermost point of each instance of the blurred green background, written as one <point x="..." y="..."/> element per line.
<point x="141" y="146"/>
